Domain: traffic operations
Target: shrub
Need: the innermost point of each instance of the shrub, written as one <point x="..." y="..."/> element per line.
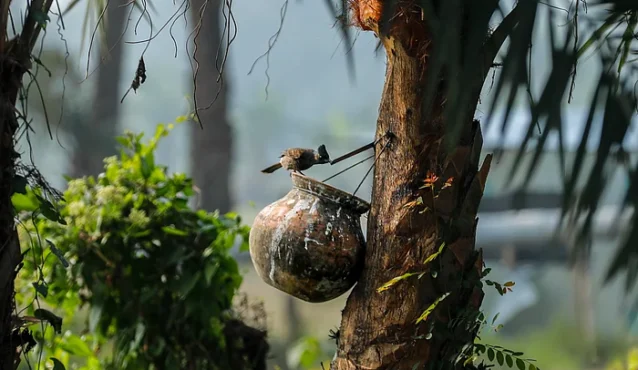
<point x="156" y="275"/>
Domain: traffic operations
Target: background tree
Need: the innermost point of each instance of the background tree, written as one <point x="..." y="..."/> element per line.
<point x="95" y="138"/>
<point x="211" y="148"/>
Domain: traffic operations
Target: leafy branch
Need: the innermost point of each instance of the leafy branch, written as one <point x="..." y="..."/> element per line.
<point x="502" y="289"/>
<point x="503" y="356"/>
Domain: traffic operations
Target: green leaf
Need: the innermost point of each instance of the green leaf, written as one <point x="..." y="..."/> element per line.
<point x="48" y="210"/>
<point x="435" y="255"/>
<point x="520" y="364"/>
<point x="627" y="39"/>
<point x="495" y="317"/>
<point x="19" y="185"/>
<point x="244" y="246"/>
<point x="187" y="283"/>
<point x="598" y="33"/>
<point x="58" y="253"/>
<point x="22" y="202"/>
<point x="75" y="346"/>
<point x="395" y="280"/>
<point x="140" y="330"/>
<point x="532" y="367"/>
<point x="57" y="365"/>
<point x="424" y="316"/>
<point x="490" y="354"/>
<point x="173" y="231"/>
<point x="209" y="271"/>
<point x="416" y="366"/>
<point x="304" y="353"/>
<point x="124" y="141"/>
<point x="148" y="165"/>
<point x="509" y="360"/>
<point x="499" y="358"/>
<point x="50" y="317"/>
<point x="479" y="348"/>
<point x="41" y="288"/>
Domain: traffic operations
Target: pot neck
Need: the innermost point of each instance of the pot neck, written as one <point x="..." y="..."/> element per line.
<point x="329" y="193"/>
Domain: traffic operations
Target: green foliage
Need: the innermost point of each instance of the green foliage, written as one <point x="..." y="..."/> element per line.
<point x="156" y="276"/>
<point x="626" y="362"/>
<point x="493" y="353"/>
<point x="306" y="353"/>
<point x="472" y="352"/>
<point x="502" y="356"/>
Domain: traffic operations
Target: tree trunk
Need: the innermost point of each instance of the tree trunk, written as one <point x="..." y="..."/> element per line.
<point x="293" y="320"/>
<point x="14" y="62"/>
<point x="95" y="139"/>
<point x="211" y="147"/>
<point x="10" y="256"/>
<point x="583" y="303"/>
<point x="379" y="330"/>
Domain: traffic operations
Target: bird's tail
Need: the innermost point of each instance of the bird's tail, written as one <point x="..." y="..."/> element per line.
<point x="272" y="168"/>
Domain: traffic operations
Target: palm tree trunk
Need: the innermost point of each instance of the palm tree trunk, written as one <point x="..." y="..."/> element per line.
<point x="379" y="330"/>
<point x="211" y="147"/>
<point x="95" y="139"/>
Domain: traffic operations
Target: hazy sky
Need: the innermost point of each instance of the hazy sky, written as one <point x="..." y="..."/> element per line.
<point x="308" y="75"/>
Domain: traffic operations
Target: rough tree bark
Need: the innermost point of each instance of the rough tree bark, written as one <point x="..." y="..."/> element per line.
<point x="95" y="139"/>
<point x="15" y="61"/>
<point x="379" y="329"/>
<point x="211" y="147"/>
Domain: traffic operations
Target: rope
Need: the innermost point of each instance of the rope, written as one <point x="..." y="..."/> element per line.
<point x="371" y="167"/>
<point x="347" y="169"/>
<point x="388" y="135"/>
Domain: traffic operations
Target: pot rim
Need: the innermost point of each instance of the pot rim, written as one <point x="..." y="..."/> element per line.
<point x="330" y="193"/>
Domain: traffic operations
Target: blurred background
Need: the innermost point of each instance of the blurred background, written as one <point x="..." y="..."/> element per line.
<point x="302" y="95"/>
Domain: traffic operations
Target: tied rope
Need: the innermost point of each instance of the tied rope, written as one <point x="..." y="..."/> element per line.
<point x="388" y="135"/>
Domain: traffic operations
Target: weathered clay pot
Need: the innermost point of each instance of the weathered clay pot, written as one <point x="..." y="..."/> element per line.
<point x="309" y="243"/>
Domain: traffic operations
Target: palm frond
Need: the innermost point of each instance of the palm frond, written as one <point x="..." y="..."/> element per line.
<point x="604" y="31"/>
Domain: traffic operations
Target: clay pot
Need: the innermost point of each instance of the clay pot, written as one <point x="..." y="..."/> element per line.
<point x="309" y="243"/>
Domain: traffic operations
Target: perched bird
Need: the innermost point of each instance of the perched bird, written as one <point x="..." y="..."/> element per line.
<point x="300" y="159"/>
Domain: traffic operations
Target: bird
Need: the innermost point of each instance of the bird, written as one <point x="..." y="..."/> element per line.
<point x="299" y="159"/>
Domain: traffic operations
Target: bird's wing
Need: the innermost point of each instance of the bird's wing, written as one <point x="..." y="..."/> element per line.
<point x="294" y="153"/>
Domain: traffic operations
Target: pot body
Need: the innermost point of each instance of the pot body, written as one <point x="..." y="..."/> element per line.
<point x="309" y="243"/>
